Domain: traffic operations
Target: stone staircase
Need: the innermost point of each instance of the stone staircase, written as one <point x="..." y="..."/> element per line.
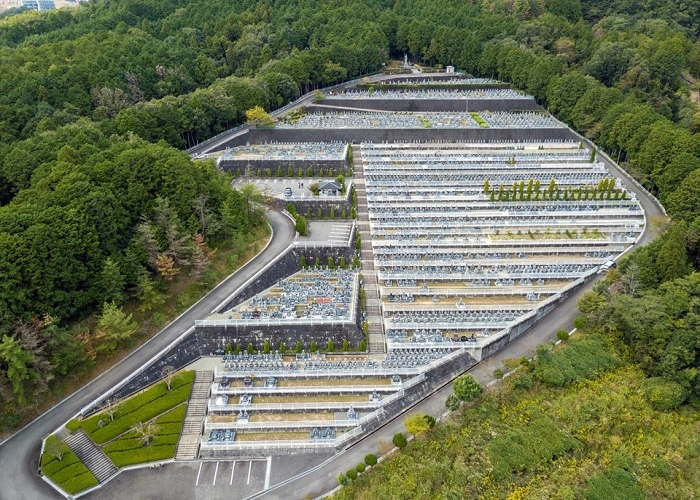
<point x="91" y="455"/>
<point x="377" y="343"/>
<point x="188" y="445"/>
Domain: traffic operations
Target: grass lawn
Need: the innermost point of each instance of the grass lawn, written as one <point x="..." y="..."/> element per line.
<point x="272" y="436"/>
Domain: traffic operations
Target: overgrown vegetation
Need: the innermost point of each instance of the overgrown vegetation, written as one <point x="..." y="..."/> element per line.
<point x="595" y="433"/>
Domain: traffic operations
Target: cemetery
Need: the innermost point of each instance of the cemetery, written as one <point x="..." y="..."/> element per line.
<point x="471" y="226"/>
<point x="426" y="120"/>
<point x="468" y="238"/>
<point x="285" y="159"/>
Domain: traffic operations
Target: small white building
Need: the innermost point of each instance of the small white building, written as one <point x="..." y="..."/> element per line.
<point x="330" y="188"/>
<point x="450" y="69"/>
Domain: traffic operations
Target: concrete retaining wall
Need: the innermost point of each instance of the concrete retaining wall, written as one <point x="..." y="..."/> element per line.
<point x="435" y="379"/>
<point x="258" y="136"/>
<point x="251" y="167"/>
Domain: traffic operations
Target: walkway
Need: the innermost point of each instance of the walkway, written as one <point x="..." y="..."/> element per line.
<point x="91" y="455"/>
<point x="377" y="343"/>
<point x="188" y="445"/>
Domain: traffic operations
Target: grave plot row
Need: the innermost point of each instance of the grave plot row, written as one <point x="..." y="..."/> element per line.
<point x="441" y="218"/>
<point x="486" y="93"/>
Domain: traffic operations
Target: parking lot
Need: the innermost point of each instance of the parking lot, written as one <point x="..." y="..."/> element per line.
<point x="206" y="480"/>
<point x="275" y="186"/>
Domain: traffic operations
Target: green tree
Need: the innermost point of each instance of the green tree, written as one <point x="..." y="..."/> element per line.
<point x="259" y="117"/>
<point x="416" y="423"/>
<point x="112" y="282"/>
<point x="300" y="225"/>
<point x="16" y="361"/>
<point x="114" y="328"/>
<point x="467" y="388"/>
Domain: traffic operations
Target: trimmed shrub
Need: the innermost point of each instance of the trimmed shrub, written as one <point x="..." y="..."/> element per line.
<point x="343" y="480"/>
<point x="467" y="388"/>
<point x="371" y="459"/>
<point x="399" y="440"/>
<point x="151" y="453"/>
<point x="351" y="474"/>
<point x="360" y="467"/>
<point x="562" y="335"/>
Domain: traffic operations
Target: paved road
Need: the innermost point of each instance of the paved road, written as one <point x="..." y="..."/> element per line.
<point x="19" y="455"/>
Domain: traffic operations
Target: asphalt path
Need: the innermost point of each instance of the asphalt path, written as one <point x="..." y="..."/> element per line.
<point x="19" y="455"/>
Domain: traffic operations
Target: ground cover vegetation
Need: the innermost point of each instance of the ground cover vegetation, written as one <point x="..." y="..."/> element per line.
<point x="64" y="468"/>
<point x="143" y="428"/>
<point x="582" y="420"/>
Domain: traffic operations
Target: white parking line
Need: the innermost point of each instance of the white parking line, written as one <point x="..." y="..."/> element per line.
<point x="250" y="466"/>
<point x="267" y="473"/>
<point x="198" y="473"/>
<point x="215" y="471"/>
<point x="232" y="469"/>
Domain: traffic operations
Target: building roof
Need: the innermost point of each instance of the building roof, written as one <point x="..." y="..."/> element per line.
<point x="330" y="185"/>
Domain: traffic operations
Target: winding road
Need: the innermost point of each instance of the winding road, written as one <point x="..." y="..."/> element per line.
<point x="19" y="454"/>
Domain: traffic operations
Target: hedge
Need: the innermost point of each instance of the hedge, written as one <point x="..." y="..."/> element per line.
<point x="91" y="425"/>
<point x="150" y="454"/>
<point x="69" y="473"/>
<point x="176" y="415"/>
<point x="80" y="483"/>
<point x="146" y="412"/>
<point x="134" y="443"/>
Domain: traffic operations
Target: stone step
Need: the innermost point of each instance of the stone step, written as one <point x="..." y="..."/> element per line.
<point x="91" y="455"/>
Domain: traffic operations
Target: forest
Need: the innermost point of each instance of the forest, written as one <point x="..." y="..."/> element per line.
<point x="100" y="205"/>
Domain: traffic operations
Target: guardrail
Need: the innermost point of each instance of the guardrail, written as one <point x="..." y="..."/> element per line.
<point x="311" y="389"/>
<point x="293" y="423"/>
<point x="267" y="445"/>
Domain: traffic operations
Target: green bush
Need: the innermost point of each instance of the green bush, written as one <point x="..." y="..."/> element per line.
<point x="176" y="415"/>
<point x="151" y="453"/>
<point x="142" y="414"/>
<point x="360" y="467"/>
<point x="583" y="359"/>
<point x="452" y="402"/>
<point x="664" y="395"/>
<point x="614" y="483"/>
<point x="69" y="473"/>
<point x="343" y="480"/>
<point x="371" y="459"/>
<point x="73" y="425"/>
<point x="524" y="449"/>
<point x="134" y="443"/>
<point x="399" y="440"/>
<point x="467" y="388"/>
<point x="351" y="474"/>
<point x="79" y="483"/>
<point x="522" y="382"/>
<point x="498" y="373"/>
<point x="562" y="335"/>
<point x="184" y="379"/>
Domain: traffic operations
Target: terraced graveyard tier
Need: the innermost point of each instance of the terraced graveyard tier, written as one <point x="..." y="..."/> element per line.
<point x="469" y="238"/>
<point x="309" y="295"/>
